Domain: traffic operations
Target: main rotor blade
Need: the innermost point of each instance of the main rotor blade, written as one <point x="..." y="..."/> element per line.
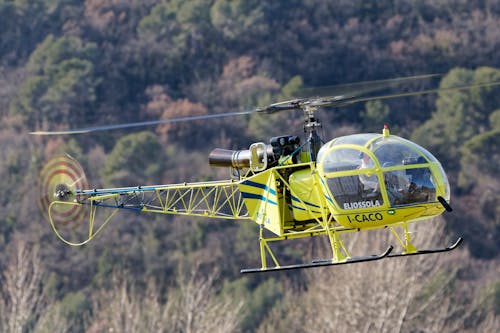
<point x="341" y="92"/>
<point x="142" y="123"/>
<point x="339" y="103"/>
<point x="361" y="88"/>
<point x="349" y="97"/>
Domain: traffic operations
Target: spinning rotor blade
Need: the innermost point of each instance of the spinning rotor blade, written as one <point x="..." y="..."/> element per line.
<point x="360" y="88"/>
<point x="59" y="180"/>
<point x="345" y="94"/>
<point x="140" y="124"/>
<point x="338" y="103"/>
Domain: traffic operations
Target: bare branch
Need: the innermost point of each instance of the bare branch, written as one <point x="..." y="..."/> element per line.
<point x="21" y="288"/>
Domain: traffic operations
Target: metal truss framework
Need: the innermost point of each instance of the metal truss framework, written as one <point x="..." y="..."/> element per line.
<point x="220" y="199"/>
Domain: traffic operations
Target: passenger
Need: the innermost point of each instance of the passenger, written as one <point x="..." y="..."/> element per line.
<point x="370" y="182"/>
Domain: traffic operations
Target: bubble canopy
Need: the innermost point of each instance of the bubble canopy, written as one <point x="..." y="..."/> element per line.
<point x="375" y="170"/>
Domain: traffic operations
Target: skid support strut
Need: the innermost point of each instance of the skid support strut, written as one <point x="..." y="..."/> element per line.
<point x="340" y="254"/>
<point x="339" y="251"/>
<point x="408" y="247"/>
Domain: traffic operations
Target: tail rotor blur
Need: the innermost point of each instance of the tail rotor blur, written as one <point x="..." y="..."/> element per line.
<point x="59" y="181"/>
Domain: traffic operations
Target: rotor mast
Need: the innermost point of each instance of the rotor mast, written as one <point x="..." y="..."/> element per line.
<point x="311" y="124"/>
<point x="310" y="128"/>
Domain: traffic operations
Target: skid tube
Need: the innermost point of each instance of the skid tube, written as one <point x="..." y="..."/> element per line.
<point x="373" y="257"/>
<point x="429" y="251"/>
<point x="319" y="263"/>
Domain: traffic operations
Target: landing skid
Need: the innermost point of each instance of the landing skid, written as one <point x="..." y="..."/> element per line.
<point x="330" y="262"/>
<point x="319" y="263"/>
<point x="445" y="249"/>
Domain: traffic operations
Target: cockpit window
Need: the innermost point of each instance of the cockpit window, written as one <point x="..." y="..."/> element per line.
<point x="356" y="139"/>
<point x="359" y="190"/>
<point x="370" y="170"/>
<point x="408" y="186"/>
<point x="390" y="152"/>
<point x="342" y="160"/>
<point x="354" y="192"/>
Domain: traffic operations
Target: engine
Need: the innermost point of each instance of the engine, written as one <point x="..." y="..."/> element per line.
<point x="259" y="156"/>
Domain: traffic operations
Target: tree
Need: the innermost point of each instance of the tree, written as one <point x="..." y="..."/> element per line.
<point x="177" y="37"/>
<point x="239" y="21"/>
<point x="21" y="293"/>
<point x="136" y="159"/>
<point x="61" y="87"/>
<point x="478" y="179"/>
<point x="25" y="23"/>
<point x="395" y="295"/>
<point x="194" y="307"/>
<point x="184" y="134"/>
<point x="376" y="114"/>
<point x="459" y="115"/>
<point x="480" y="157"/>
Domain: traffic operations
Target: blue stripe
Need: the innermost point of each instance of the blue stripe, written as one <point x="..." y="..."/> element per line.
<point x="117" y="190"/>
<point x="328" y="198"/>
<point x="300" y="208"/>
<point x="259" y="185"/>
<point x="100" y="204"/>
<point x="246" y="195"/>
<point x="324" y="185"/>
<point x="307" y="203"/>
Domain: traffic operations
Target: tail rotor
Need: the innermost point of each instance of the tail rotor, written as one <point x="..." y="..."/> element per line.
<point x="59" y="184"/>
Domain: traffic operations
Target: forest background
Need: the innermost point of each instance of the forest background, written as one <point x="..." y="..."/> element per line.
<point x="74" y="63"/>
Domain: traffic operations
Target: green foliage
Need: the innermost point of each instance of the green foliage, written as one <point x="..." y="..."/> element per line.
<point x="194" y="237"/>
<point x="291" y="88"/>
<point x="259" y="300"/>
<point x="496" y="298"/>
<point x="262" y="127"/>
<point x="262" y="300"/>
<point x="155" y="22"/>
<point x="73" y="305"/>
<point x="374" y="117"/>
<point x="54" y="320"/>
<point x="73" y="148"/>
<point x="487" y="305"/>
<point x="442" y="279"/>
<point x="183" y="30"/>
<point x="245" y="242"/>
<point x="15" y="164"/>
<point x="495" y="120"/>
<point x="480" y="157"/>
<point x="135" y="159"/>
<point x="237" y="20"/>
<point x="52" y="53"/>
<point x="105" y="264"/>
<point x="460" y="114"/>
<point x="25" y="23"/>
<point x="174" y="16"/>
<point x="478" y="174"/>
<point x="61" y="85"/>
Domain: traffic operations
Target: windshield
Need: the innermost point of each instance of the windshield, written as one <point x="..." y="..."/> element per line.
<point x="370" y="170"/>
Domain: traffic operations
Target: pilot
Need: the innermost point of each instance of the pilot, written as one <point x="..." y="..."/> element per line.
<point x="421" y="188"/>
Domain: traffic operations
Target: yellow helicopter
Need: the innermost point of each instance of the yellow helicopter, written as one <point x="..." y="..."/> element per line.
<point x="291" y="189"/>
